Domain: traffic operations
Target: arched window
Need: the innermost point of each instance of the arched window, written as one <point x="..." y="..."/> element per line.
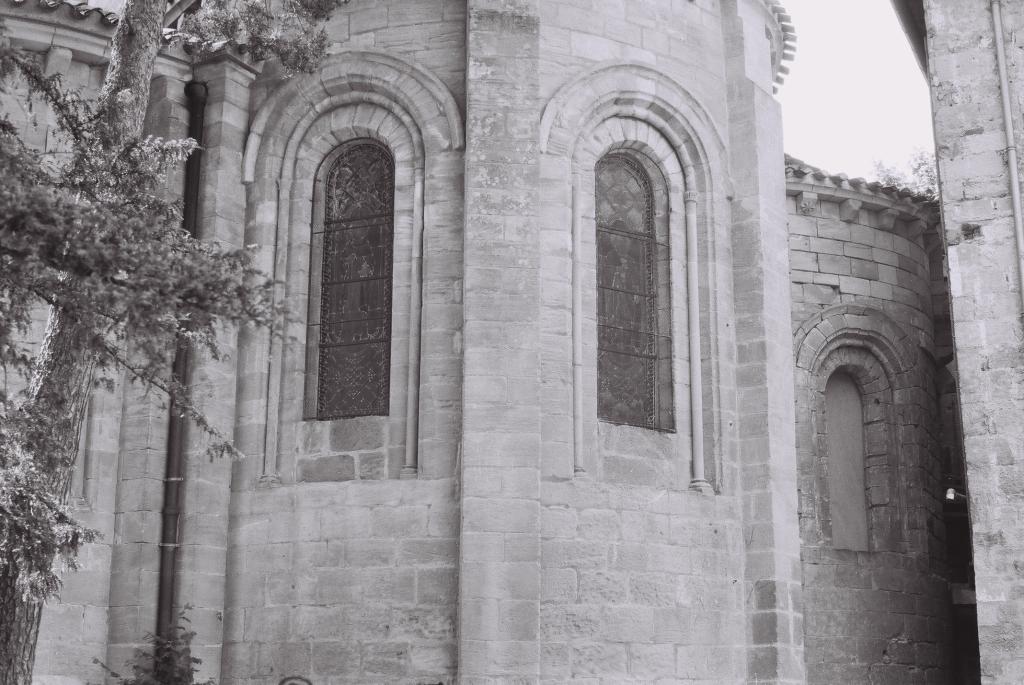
<point x="633" y="344"/>
<point x="844" y="429"/>
<point x="353" y="329"/>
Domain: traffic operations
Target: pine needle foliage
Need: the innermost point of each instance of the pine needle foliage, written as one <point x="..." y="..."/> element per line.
<point x="88" y="230"/>
<point x="93" y="233"/>
<point x="291" y="31"/>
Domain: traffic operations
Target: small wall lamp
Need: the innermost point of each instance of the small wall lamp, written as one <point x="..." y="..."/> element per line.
<point x="952" y="495"/>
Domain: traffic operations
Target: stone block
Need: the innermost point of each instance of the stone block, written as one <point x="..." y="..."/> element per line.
<point x="651" y="662"/>
<point x="603" y="587"/>
<point x="389" y="659"/>
<point x="604" y="660"/>
<point x="559" y="585"/>
<point x="510" y="580"/>
<point x="558" y="522"/>
<point x="513" y="516"/>
<point x="436" y="586"/>
<point x="627" y="624"/>
<point x="434" y="661"/>
<point x="369" y="552"/>
<point x="653" y="589"/>
<point x="569" y="621"/>
<point x="340" y="467"/>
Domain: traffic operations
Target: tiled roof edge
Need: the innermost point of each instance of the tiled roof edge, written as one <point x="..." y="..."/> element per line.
<point x="797" y="170"/>
<point x="785" y="23"/>
<point x="80" y="11"/>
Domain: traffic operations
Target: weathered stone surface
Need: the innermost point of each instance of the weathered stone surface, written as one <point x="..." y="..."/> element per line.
<point x="985" y="285"/>
<point x="490" y="529"/>
<point x="335" y="468"/>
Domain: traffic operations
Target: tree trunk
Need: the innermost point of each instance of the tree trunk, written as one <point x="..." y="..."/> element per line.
<point x="58" y="393"/>
<point x="62" y="377"/>
<point x="19" y="629"/>
<point x="125" y="93"/>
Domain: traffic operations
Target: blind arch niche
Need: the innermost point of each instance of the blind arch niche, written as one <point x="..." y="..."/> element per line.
<point x="844" y="429"/>
<point x="350" y="323"/>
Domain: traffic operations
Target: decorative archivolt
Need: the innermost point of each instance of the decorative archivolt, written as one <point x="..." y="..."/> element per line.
<point x="856" y="326"/>
<point x="351" y="77"/>
<point x="355" y="94"/>
<point x="634" y="90"/>
<point x="633" y="108"/>
<point x="881" y="357"/>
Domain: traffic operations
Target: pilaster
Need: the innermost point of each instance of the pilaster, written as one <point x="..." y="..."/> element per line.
<point x="499" y="565"/>
<point x="765" y="393"/>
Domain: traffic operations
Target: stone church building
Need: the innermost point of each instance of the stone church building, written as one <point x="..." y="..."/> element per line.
<point x="584" y="380"/>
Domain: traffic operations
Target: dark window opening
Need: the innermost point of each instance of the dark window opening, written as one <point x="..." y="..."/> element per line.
<point x="630" y="346"/>
<point x="354" y="361"/>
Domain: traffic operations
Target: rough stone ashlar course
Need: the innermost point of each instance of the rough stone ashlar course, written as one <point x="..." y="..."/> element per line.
<point x="489" y="528"/>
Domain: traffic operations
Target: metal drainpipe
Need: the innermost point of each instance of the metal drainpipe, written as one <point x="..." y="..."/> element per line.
<point x="174" y="475"/>
<point x="1011" y="144"/>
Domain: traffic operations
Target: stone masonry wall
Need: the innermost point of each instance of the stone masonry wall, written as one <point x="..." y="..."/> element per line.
<point x="862" y="306"/>
<point x="337" y="569"/>
<point x="643" y="577"/>
<point x="639" y="585"/>
<point x="985" y="283"/>
<point x="507" y="550"/>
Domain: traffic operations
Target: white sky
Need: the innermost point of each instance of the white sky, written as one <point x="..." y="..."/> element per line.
<point x="855" y="93"/>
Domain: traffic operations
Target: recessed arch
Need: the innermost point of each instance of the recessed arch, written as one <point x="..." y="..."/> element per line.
<point x="844" y="440"/>
<point x="357" y="74"/>
<point x="670" y="454"/>
<point x="634" y="105"/>
<point x="832" y="485"/>
<point x="634" y="90"/>
<point x="881" y="357"/>
<point x="355" y="95"/>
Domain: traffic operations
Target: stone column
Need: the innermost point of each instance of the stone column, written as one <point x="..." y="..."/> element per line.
<point x="203" y="532"/>
<point x="499" y="566"/>
<point x="764" y="357"/>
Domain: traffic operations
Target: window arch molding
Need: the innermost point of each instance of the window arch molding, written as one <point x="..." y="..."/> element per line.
<point x="884" y="504"/>
<point x="627" y="102"/>
<point x="307" y="152"/>
<point x="881" y="358"/>
<point x="668" y="454"/>
<point x="354" y="93"/>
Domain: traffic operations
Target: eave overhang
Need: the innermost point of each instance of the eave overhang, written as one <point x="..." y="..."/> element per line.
<point x="911" y="16"/>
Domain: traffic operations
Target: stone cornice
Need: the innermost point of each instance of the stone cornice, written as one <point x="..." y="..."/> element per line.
<point x="783" y="38"/>
<point x="805" y="178"/>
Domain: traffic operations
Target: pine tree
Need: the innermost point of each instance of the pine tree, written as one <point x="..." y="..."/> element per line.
<point x="96" y="240"/>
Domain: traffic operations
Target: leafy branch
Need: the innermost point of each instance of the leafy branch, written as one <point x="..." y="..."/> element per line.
<point x="97" y="237"/>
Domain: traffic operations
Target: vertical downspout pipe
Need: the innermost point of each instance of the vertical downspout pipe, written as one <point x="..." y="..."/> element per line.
<point x="1011" y="145"/>
<point x="174" y="474"/>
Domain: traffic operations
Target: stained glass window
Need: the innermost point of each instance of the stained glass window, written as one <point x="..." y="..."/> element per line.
<point x="627" y="294"/>
<point x="354" y="361"/>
